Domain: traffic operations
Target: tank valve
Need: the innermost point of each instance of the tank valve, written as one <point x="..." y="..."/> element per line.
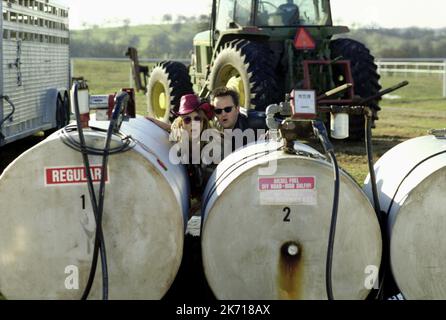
<point x="292" y="249"/>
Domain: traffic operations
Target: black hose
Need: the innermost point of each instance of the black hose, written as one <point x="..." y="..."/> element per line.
<point x="99" y="237"/>
<point x="99" y="245"/>
<point x="384" y="233"/>
<point x="106" y="152"/>
<point x="382" y="219"/>
<point x="6" y="98"/>
<point x="67" y="138"/>
<point x="321" y="133"/>
<point x="369" y="147"/>
<point x="112" y="125"/>
<point x="334" y="217"/>
<point x="408" y="174"/>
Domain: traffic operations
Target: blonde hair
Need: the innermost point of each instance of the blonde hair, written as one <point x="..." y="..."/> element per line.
<point x="178" y="126"/>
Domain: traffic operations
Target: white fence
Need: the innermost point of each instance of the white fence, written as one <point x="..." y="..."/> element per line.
<point x="405" y="66"/>
<point x="414" y="66"/>
<point x="185" y="61"/>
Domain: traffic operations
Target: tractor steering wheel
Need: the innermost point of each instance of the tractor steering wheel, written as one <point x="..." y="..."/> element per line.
<point x="268" y="3"/>
<point x="290" y="20"/>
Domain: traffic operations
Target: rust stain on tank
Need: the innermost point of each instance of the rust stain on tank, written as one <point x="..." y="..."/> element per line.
<point x="290" y="271"/>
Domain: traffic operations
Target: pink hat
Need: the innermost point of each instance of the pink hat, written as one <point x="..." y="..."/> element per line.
<point x="190" y="103"/>
<point x="208" y="110"/>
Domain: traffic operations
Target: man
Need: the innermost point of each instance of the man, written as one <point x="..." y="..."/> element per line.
<point x="290" y="13"/>
<point x="231" y="120"/>
<point x="227" y="109"/>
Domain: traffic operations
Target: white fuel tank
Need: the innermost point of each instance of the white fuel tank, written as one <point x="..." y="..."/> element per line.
<point x="47" y="225"/>
<point x="413" y="174"/>
<point x="265" y="234"/>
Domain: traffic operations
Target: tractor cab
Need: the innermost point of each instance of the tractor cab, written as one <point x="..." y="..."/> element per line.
<point x="231" y="14"/>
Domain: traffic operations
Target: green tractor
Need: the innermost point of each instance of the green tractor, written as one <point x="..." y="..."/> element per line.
<point x="264" y="50"/>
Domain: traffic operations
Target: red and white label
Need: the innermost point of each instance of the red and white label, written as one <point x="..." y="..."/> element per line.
<point x="293" y="183"/>
<point x="72" y="175"/>
<point x="288" y="191"/>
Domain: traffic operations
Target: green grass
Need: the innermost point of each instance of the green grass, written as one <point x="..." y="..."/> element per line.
<point x="419" y="108"/>
<point x="106" y="77"/>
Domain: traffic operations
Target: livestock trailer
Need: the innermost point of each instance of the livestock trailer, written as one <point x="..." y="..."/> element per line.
<point x="34" y="68"/>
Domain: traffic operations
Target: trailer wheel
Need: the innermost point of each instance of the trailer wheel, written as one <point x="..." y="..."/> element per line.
<point x="168" y="82"/>
<point x="365" y="77"/>
<point x="62" y="111"/>
<point x="62" y="114"/>
<point x="246" y="66"/>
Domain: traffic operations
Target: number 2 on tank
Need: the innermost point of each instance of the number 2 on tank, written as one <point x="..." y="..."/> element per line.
<point x="287" y="212"/>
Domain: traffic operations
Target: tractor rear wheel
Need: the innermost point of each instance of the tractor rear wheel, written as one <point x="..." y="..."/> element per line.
<point x="365" y="77"/>
<point x="168" y="82"/>
<point x="245" y="66"/>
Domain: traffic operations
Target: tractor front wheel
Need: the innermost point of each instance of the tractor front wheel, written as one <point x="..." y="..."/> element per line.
<point x="168" y="82"/>
<point x="245" y="66"/>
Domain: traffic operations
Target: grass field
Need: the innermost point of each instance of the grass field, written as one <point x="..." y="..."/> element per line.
<point x="410" y="113"/>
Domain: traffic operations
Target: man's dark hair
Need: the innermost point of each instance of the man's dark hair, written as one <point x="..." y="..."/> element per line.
<point x="224" y="92"/>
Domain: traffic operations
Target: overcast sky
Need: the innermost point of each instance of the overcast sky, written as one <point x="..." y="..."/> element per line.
<point x="385" y="13"/>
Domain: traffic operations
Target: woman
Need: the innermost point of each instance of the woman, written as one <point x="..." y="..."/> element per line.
<point x="193" y="118"/>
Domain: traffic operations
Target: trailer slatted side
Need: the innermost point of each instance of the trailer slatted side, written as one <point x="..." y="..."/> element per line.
<point x="35" y="64"/>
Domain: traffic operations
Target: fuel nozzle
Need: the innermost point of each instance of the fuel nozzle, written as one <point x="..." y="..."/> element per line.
<point x="321" y="132"/>
<point x="119" y="113"/>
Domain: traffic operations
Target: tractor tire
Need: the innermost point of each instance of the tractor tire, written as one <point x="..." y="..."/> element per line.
<point x="245" y="66"/>
<point x="168" y="82"/>
<point x="365" y="78"/>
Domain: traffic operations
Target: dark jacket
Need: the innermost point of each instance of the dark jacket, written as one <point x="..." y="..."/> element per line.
<point x="254" y="121"/>
<point x="242" y="122"/>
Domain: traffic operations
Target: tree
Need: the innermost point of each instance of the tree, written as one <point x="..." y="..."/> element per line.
<point x="181" y="19"/>
<point x="176" y="27"/>
<point x="167" y="18"/>
<point x="159" y="46"/>
<point x="134" y="41"/>
<point x="126" y="24"/>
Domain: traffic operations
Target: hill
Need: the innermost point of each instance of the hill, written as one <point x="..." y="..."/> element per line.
<point x="174" y="40"/>
<point x="403" y="43"/>
<point x="152" y="41"/>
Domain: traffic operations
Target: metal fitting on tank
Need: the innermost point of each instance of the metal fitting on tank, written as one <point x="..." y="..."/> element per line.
<point x="438" y="133"/>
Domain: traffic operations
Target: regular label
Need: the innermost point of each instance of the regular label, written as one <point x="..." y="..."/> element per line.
<point x="72" y="175"/>
<point x="288" y="191"/>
